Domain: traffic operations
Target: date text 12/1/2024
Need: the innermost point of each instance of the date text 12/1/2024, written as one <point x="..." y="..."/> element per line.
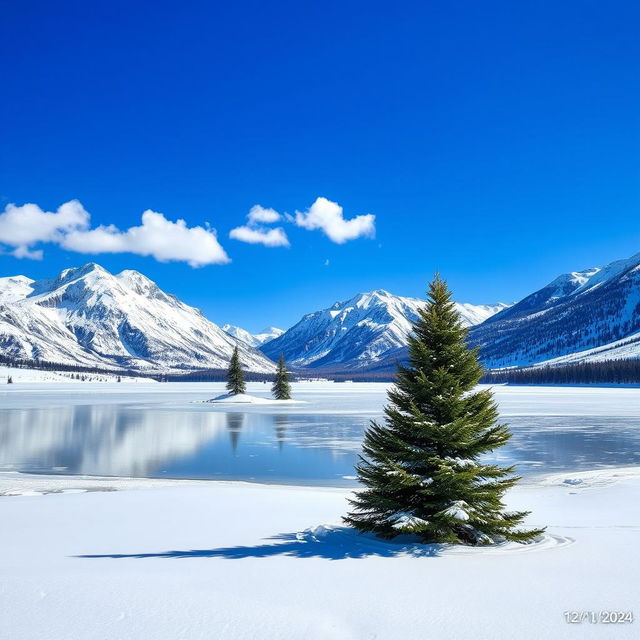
<point x="598" y="617"/>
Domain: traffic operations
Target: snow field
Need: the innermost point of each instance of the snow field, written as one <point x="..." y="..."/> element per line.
<point x="239" y="561"/>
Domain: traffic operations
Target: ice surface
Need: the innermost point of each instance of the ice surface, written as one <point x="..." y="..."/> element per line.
<point x="170" y="430"/>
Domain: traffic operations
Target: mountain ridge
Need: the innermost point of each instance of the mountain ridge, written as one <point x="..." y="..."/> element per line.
<point x="579" y="316"/>
<point x="358" y="332"/>
<point x="86" y="315"/>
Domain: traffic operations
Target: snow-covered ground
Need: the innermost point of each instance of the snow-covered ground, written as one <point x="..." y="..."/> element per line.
<point x="38" y="376"/>
<point x="232" y="560"/>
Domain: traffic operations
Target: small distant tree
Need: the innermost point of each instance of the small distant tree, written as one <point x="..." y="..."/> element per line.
<point x="281" y="388"/>
<point x="421" y="469"/>
<point x="235" y="375"/>
<point x="10" y="380"/>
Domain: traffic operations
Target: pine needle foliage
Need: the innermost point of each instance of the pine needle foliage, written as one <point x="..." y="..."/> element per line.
<point x="421" y="468"/>
<point x="235" y="375"/>
<point x="281" y="388"/>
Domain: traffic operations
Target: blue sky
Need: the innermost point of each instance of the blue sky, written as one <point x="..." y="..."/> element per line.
<point x="498" y="142"/>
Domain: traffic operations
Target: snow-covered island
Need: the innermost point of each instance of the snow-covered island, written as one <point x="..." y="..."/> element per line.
<point x="247" y="398"/>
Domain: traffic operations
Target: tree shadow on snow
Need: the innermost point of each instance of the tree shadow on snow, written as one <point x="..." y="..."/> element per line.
<point x="331" y="543"/>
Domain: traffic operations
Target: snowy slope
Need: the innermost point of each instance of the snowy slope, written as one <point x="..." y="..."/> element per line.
<point x="14" y="288"/>
<point x="89" y="316"/>
<point x="580" y="316"/>
<point x="253" y="339"/>
<point x="359" y="332"/>
<point x="626" y="349"/>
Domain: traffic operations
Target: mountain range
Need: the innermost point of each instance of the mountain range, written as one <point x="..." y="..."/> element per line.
<point x="88" y="316"/>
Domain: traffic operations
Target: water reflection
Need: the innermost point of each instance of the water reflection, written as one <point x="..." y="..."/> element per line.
<point x="280" y="422"/>
<point x="234" y="425"/>
<point x="136" y="440"/>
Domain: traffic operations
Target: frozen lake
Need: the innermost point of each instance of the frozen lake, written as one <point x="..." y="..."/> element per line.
<point x="163" y="430"/>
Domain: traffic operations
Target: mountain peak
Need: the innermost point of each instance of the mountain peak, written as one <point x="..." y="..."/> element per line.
<point x="73" y="273"/>
<point x="576" y="282"/>
<point x="88" y="267"/>
<point x="272" y="330"/>
<point x="138" y="282"/>
<point x="366" y="299"/>
<point x="253" y="339"/>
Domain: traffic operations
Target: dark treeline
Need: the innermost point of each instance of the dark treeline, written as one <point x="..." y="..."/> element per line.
<point x="606" y="372"/>
<point x="365" y="376"/>
<point x="207" y="375"/>
<point x="212" y="375"/>
<point x="44" y="365"/>
<point x="204" y="375"/>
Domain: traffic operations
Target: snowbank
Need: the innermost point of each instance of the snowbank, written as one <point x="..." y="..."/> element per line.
<point x="14" y="483"/>
<point x="232" y="560"/>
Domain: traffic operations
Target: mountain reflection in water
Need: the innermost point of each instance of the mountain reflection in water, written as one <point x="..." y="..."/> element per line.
<point x="297" y="448"/>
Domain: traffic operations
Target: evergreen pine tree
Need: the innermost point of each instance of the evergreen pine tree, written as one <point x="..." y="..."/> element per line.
<point x="235" y="375"/>
<point x="421" y="468"/>
<point x="281" y="388"/>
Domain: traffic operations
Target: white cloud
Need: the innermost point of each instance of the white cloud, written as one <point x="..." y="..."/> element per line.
<point x="25" y="252"/>
<point x="156" y="236"/>
<point x="328" y="216"/>
<point x="258" y="235"/>
<point x="260" y="214"/>
<point x="254" y="233"/>
<point x="23" y="226"/>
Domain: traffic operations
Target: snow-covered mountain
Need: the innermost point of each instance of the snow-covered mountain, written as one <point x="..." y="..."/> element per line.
<point x="89" y="316"/>
<point x="253" y="339"/>
<point x="580" y="316"/>
<point x="358" y="333"/>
